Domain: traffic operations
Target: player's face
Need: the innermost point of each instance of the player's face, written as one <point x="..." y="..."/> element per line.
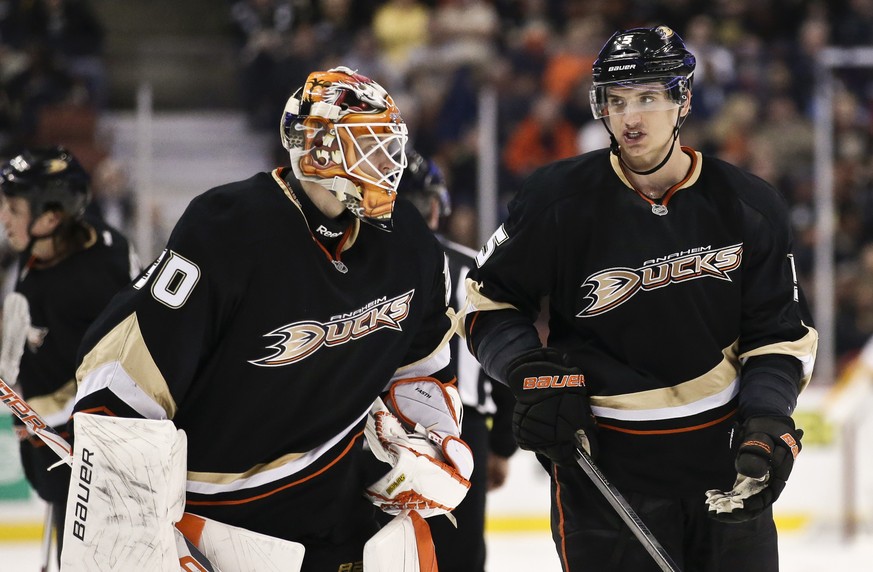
<point x="642" y="117"/>
<point x="15" y="216"/>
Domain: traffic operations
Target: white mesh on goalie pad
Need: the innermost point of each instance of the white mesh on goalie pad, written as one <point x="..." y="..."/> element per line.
<point x="127" y="491"/>
<point x="234" y="549"/>
<point x="403" y="545"/>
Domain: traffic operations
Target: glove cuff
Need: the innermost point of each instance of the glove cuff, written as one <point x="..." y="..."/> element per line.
<point x="545" y="354"/>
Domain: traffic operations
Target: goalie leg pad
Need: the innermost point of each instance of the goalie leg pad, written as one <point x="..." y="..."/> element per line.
<point x="403" y="545"/>
<point x="235" y="549"/>
<point x="126" y="492"/>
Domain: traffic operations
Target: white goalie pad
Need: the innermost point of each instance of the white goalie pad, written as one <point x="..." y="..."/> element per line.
<point x="16" y="324"/>
<point x="126" y="493"/>
<point x="403" y="545"/>
<point x="233" y="549"/>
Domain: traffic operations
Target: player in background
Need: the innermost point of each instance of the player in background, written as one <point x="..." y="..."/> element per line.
<point x="282" y="308"/>
<point x="672" y="290"/>
<point x="487" y="427"/>
<point x="68" y="269"/>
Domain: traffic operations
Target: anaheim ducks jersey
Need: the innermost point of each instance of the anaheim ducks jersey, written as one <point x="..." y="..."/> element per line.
<point x="267" y="348"/>
<point x="658" y="303"/>
<point x="62" y="301"/>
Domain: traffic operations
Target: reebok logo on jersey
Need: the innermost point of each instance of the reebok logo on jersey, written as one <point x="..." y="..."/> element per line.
<point x="611" y="288"/>
<point x="324" y="232"/>
<point x="553" y="381"/>
<point x="302" y="339"/>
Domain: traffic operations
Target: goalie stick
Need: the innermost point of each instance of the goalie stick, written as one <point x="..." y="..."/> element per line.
<point x="35" y="423"/>
<point x="624" y="510"/>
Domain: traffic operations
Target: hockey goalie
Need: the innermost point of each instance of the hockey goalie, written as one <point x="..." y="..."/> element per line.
<point x="229" y="390"/>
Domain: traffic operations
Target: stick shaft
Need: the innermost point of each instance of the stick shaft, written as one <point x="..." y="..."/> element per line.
<point x="32" y="420"/>
<point x="627" y="514"/>
<point x="47" y="529"/>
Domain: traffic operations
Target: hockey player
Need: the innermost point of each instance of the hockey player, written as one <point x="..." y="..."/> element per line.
<point x="672" y="292"/>
<point x="487" y="408"/>
<point x="68" y="269"/>
<point x="282" y="308"/>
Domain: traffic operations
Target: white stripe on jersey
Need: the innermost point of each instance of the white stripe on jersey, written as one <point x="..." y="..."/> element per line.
<point x="113" y="376"/>
<point x="685" y="410"/>
<point x="296" y="464"/>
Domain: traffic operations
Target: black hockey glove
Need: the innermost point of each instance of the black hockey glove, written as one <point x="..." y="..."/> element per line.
<point x="551" y="405"/>
<point x="766" y="448"/>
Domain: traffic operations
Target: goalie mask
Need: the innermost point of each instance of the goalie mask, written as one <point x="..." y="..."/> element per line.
<point x="343" y="131"/>
<point x="49" y="179"/>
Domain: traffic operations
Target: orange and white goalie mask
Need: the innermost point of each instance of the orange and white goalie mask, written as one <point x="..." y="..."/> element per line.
<point x="344" y="132"/>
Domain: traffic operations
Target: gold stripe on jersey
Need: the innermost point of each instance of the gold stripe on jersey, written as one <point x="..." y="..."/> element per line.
<point x="438" y="359"/>
<point x="703" y="393"/>
<point x="125" y="346"/>
<point x="803" y="349"/>
<point x="228" y="478"/>
<point x="55" y="402"/>
<point x="476" y="301"/>
<point x="265" y="474"/>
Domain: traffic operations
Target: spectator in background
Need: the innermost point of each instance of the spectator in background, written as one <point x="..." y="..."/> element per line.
<point x="264" y="29"/>
<point x="543" y="136"/>
<point x="400" y="26"/>
<point x="72" y="33"/>
<point x="112" y="199"/>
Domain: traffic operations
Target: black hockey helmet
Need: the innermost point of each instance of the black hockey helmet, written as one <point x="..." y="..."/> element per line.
<point x="423" y="181"/>
<point x="642" y="55"/>
<point x="49" y="178"/>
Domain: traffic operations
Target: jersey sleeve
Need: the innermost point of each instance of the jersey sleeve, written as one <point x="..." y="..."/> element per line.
<point x="516" y="269"/>
<point x="141" y="355"/>
<point x="775" y="320"/>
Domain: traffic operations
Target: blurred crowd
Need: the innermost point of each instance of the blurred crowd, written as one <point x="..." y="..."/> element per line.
<point x="753" y="94"/>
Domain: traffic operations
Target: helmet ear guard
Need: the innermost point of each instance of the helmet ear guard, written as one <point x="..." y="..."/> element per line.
<point x="343" y="131"/>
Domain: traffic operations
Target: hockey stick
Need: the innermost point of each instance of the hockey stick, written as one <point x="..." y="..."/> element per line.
<point x="624" y="510"/>
<point x="47" y="529"/>
<point x="39" y="427"/>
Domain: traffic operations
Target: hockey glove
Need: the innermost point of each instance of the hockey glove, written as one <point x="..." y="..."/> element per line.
<point x="430" y="470"/>
<point x="551" y="405"/>
<point x="766" y="449"/>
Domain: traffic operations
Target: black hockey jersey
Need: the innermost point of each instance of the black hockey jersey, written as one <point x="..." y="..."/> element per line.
<point x="659" y="304"/>
<point x="63" y="300"/>
<point x="266" y="348"/>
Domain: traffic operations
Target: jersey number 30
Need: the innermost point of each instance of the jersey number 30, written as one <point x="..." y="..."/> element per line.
<point x="174" y="282"/>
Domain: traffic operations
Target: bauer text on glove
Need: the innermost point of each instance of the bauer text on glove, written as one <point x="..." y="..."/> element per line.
<point x="551" y="405"/>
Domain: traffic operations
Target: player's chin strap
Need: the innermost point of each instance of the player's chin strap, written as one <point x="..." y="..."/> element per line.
<point x="616" y="149"/>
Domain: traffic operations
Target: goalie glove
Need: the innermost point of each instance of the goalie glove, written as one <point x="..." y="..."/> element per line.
<point x="765" y="456"/>
<point x="430" y="469"/>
